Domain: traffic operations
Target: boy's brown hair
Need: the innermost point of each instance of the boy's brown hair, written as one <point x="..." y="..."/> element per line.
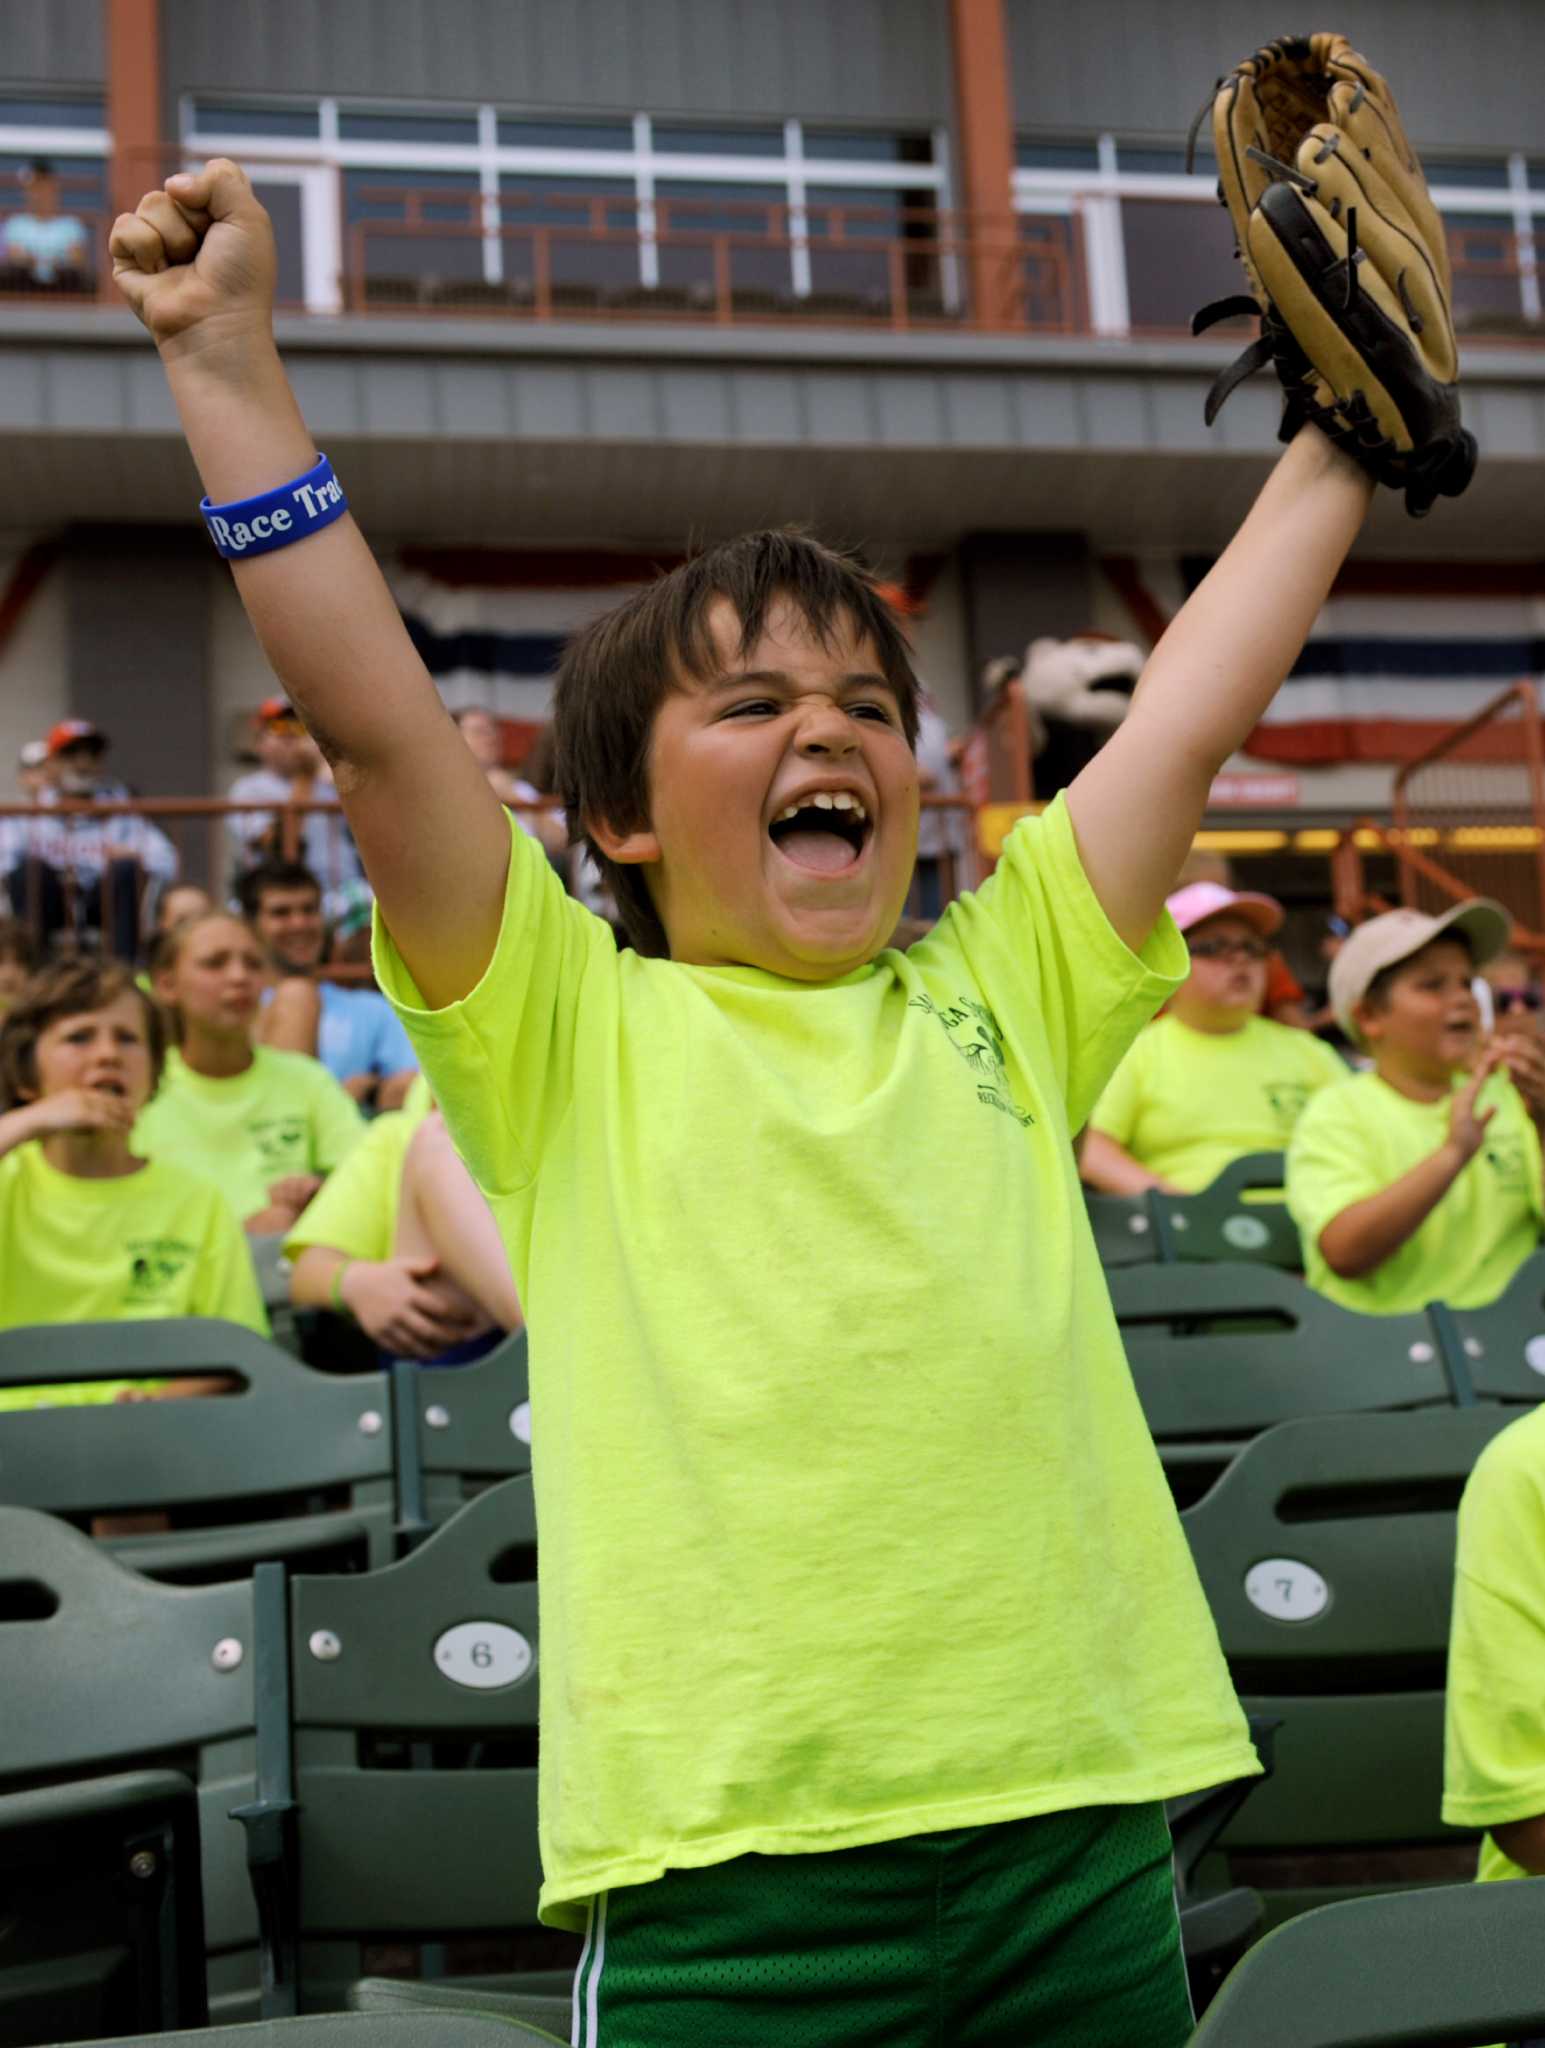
<point x="73" y="988"/>
<point x="617" y="671"/>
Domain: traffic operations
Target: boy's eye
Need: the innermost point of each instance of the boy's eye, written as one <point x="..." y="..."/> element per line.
<point x="751" y="705"/>
<point x="880" y="711"/>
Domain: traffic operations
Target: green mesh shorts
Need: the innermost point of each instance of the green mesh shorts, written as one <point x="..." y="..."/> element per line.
<point x="1058" y="1932"/>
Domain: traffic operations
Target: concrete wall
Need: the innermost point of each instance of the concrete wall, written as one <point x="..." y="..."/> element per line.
<point x="1466" y="77"/>
<point x="53" y="43"/>
<point x="862" y="60"/>
<point x="136" y="623"/>
<point x="34" y="666"/>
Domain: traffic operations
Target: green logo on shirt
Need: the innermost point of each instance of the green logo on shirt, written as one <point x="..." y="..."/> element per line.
<point x="972" y="1030"/>
<point x="155" y="1266"/>
<point x="280" y="1140"/>
<point x="1504" y="1154"/>
<point x="1287" y="1099"/>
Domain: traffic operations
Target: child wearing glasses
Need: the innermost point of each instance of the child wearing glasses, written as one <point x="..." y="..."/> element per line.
<point x="1212" y="1079"/>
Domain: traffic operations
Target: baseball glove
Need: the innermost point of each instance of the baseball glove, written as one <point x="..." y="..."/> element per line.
<point x="1347" y="263"/>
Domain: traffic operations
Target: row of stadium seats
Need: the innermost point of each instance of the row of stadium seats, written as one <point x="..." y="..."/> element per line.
<point x="296" y="1769"/>
<point x="1422" y="1970"/>
<point x="365" y="1744"/>
<point x="1218" y="1222"/>
<point x="336" y="1472"/>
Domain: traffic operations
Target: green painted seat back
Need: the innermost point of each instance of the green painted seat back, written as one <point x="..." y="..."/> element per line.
<point x="1123" y="1229"/>
<point x="440" y="2028"/>
<point x="378" y="1680"/>
<point x="1426" y="1969"/>
<point x="1327" y="1555"/>
<point x="474" y="1421"/>
<point x="113" y="1671"/>
<point x="288" y="1434"/>
<point x="1228" y="1350"/>
<point x="103" y="1924"/>
<point x="1504" y="1344"/>
<point x="1218" y="1223"/>
<point x="1359" y="1513"/>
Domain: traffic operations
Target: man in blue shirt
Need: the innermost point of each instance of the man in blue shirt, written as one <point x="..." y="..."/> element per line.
<point x="352" y="1031"/>
<point x="42" y="247"/>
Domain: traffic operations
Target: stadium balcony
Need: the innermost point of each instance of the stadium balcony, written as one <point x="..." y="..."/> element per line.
<point x="539" y="360"/>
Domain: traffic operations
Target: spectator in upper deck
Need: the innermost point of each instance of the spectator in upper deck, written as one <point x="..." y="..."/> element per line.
<point x="352" y="1031"/>
<point x="41" y="248"/>
<point x="66" y="868"/>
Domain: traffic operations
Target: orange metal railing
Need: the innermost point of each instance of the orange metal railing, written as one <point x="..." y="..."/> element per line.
<point x="574" y="256"/>
<point x="566" y="255"/>
<point x="1477" y="798"/>
<point x="209" y="854"/>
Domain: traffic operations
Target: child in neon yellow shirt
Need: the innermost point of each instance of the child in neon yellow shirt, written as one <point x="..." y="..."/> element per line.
<point x="1421" y="1181"/>
<point x="88" y="1231"/>
<point x="400" y="1238"/>
<point x="1212" y="1079"/>
<point x="266" y="1126"/>
<point x="867" y="1623"/>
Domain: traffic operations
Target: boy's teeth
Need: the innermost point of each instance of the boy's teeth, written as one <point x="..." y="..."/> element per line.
<point x="825" y="800"/>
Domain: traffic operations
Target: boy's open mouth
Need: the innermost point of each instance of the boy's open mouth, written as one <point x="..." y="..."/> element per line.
<point x="825" y="834"/>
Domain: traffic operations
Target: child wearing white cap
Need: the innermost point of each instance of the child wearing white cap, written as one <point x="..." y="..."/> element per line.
<point x="1421" y="1181"/>
<point x="1212" y="1079"/>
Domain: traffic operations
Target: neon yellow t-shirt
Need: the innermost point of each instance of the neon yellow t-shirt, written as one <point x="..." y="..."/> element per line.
<point x="286" y="1114"/>
<point x="160" y="1242"/>
<point x="1355" y="1139"/>
<point x="355" y="1210"/>
<point x="851" y="1525"/>
<point x="1494" y="1741"/>
<point x="1187" y="1103"/>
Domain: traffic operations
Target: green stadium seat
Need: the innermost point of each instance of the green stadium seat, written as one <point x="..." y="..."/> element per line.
<point x="1217" y="1223"/>
<point x="1222" y="1352"/>
<point x="437" y="2029"/>
<point x="296" y="1465"/>
<point x="414" y="1702"/>
<point x="1502" y="1347"/>
<point x="1326" y="1552"/>
<point x="408" y="1994"/>
<point x="460" y="1429"/>
<point x="1456" y="1965"/>
<point x="99" y="1900"/>
<point x="105" y="1673"/>
<point x="1123" y="1229"/>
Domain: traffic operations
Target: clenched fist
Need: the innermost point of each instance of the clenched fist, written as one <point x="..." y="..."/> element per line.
<point x="196" y="259"/>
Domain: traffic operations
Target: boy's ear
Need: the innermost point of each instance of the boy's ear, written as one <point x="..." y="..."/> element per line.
<point x="1365" y="1013"/>
<point x="629" y="849"/>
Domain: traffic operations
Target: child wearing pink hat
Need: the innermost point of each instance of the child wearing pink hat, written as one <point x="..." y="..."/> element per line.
<point x="1212" y="1079"/>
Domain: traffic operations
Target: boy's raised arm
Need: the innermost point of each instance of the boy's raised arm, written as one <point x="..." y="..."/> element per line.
<point x="196" y="263"/>
<point x="1137" y="806"/>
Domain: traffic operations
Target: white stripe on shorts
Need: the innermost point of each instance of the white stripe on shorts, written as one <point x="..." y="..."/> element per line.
<point x="584" y="2030"/>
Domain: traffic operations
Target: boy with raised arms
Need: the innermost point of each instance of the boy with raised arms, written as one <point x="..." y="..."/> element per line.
<point x="870" y="1640"/>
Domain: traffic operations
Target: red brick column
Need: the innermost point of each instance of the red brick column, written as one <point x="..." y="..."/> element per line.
<point x="984" y="136"/>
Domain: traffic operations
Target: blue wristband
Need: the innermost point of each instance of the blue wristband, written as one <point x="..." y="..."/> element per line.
<point x="295" y="511"/>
